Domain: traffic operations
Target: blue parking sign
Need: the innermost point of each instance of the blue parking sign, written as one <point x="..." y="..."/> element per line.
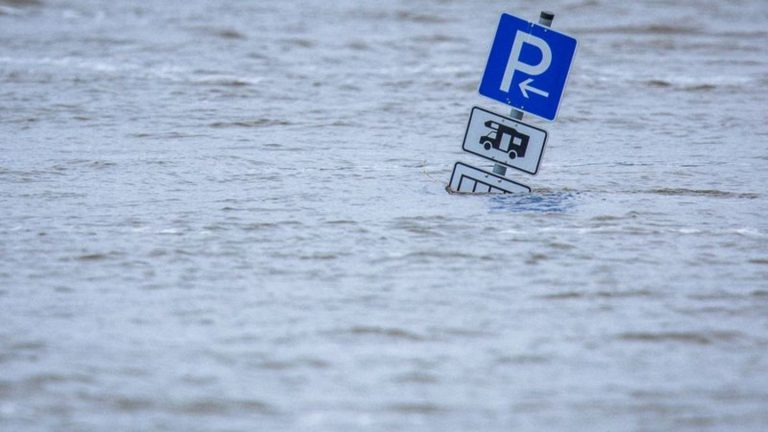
<point x="528" y="66"/>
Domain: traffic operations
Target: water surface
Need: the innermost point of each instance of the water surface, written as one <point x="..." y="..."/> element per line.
<point x="223" y="216"/>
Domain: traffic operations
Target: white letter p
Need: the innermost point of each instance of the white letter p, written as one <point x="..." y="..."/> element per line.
<point x="514" y="63"/>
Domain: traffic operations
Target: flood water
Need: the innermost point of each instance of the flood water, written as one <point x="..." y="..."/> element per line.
<point x="231" y="215"/>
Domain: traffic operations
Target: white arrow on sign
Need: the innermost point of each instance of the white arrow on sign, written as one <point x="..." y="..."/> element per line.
<point x="515" y="64"/>
<point x="525" y="87"/>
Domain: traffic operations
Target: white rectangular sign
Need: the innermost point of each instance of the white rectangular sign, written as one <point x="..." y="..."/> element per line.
<point x="504" y="140"/>
<point x="466" y="179"/>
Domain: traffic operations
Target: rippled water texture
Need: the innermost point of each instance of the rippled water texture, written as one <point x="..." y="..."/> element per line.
<point x="227" y="216"/>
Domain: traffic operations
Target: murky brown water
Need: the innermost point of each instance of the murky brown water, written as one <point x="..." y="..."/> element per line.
<point x="232" y="216"/>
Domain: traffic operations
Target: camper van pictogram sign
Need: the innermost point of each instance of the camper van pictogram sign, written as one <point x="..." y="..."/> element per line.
<point x="504" y="140"/>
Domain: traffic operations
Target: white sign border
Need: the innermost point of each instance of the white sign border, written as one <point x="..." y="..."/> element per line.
<point x="504" y="162"/>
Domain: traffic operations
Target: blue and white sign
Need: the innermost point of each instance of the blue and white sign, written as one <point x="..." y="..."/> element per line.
<point x="528" y="66"/>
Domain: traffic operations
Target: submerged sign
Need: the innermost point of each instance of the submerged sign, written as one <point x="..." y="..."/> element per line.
<point x="467" y="179"/>
<point x="528" y="66"/>
<point x="527" y="69"/>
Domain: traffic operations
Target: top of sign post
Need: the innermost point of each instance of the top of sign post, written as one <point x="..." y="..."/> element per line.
<point x="528" y="66"/>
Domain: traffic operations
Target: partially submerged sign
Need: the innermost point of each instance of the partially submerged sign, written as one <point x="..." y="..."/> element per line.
<point x="504" y="140"/>
<point x="528" y="66"/>
<point x="527" y="69"/>
<point x="466" y="179"/>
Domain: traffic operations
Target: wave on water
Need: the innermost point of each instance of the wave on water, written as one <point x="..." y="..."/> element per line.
<point x="586" y="295"/>
<point x="666" y="30"/>
<point x="388" y="332"/>
<point x="13" y="7"/>
<point x="222" y="33"/>
<point x="683" y="337"/>
<point x="260" y="122"/>
<point x="542" y="202"/>
<point x="226" y="80"/>
<point x="703" y="193"/>
<point x="667" y="84"/>
<point x="405" y="15"/>
<point x="663" y="29"/>
<point x="21" y="2"/>
<point x="689" y="83"/>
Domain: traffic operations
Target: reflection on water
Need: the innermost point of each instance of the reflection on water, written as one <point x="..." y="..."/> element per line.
<point x="544" y="202"/>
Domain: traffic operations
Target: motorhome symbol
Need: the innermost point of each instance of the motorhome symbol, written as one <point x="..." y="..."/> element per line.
<point x="506" y="139"/>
